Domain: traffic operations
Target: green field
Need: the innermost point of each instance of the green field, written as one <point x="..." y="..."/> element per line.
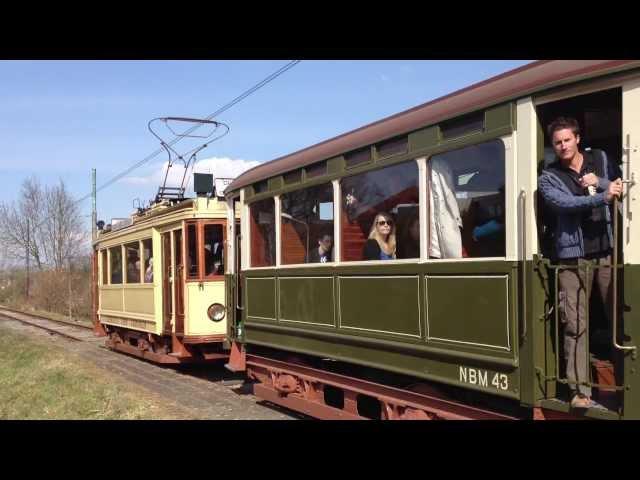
<point x="39" y="380"/>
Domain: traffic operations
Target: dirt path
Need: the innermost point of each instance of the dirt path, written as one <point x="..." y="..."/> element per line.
<point x="203" y="392"/>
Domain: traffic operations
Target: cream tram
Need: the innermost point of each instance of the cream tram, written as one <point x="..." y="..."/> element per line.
<point x="160" y="281"/>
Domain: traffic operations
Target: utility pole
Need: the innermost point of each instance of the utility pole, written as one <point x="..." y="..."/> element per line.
<point x="94" y="215"/>
<point x="27" y="260"/>
<point x="70" y="319"/>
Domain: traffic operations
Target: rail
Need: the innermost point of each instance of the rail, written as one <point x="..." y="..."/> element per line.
<point x="45" y="323"/>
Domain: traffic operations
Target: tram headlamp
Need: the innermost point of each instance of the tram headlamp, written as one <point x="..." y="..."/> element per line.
<point x="216" y="312"/>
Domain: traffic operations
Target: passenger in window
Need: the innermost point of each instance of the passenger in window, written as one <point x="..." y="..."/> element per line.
<point x="577" y="191"/>
<point x="381" y="244"/>
<point x="148" y="274"/>
<point x="213" y="258"/>
<point x="324" y="252"/>
<point x="409" y="242"/>
<point x="133" y="270"/>
<point x="493" y="228"/>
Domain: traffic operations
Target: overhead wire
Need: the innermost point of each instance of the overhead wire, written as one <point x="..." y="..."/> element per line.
<point x="224" y="108"/>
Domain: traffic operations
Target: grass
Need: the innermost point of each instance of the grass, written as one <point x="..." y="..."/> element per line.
<point x="39" y="380"/>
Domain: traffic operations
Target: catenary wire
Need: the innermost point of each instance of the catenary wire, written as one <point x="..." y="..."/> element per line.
<point x="233" y="102"/>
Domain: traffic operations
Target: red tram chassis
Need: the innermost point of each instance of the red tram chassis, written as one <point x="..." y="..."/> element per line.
<point x="303" y="389"/>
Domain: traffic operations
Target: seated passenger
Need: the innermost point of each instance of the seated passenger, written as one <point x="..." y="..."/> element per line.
<point x="133" y="271"/>
<point x="382" y="239"/>
<point x="213" y="258"/>
<point x="409" y="244"/>
<point x="148" y="274"/>
<point x="324" y="252"/>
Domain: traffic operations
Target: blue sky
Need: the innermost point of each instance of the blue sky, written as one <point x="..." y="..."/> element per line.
<point x="59" y="119"/>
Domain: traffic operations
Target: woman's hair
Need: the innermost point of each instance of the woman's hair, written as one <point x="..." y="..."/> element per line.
<point x="391" y="239"/>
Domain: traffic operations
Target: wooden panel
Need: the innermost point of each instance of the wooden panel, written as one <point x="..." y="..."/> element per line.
<point x="111" y="299"/>
<point x="386" y="304"/>
<point x="306" y="300"/>
<point x="469" y="310"/>
<point x="261" y="298"/>
<point x="139" y="300"/>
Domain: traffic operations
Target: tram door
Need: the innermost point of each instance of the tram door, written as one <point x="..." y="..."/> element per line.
<point x="599" y="115"/>
<point x="167" y="282"/>
<point x="178" y="282"/>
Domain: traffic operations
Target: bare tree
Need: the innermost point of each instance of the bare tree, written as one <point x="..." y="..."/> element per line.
<point x="16" y="219"/>
<point x="54" y="223"/>
<point x="63" y="227"/>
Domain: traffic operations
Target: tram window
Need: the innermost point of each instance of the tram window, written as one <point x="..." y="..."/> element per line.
<point x="147" y="249"/>
<point x="133" y="262"/>
<point x="393" y="190"/>
<point x="193" y="259"/>
<point x="104" y="266"/>
<point x="213" y="250"/>
<point x="358" y="157"/>
<point x="394" y="146"/>
<point x="467" y="202"/>
<point x="116" y="265"/>
<point x="307" y="225"/>
<point x="263" y="233"/>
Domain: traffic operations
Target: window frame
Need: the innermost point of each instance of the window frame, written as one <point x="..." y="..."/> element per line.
<point x="422" y="160"/>
<point x="200" y="224"/>
<point x="280" y="225"/>
<point x="122" y="272"/>
<point x="140" y="273"/>
<point x="249" y="229"/>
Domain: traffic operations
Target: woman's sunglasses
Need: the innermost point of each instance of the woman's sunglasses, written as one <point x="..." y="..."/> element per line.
<point x="385" y="222"/>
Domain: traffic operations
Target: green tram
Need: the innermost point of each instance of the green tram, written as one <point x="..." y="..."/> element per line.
<point x="461" y="323"/>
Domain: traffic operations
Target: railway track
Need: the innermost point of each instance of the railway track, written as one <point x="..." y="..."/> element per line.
<point x="72" y="331"/>
<point x="206" y="392"/>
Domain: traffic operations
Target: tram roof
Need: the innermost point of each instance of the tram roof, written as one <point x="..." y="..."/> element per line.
<point x="507" y="86"/>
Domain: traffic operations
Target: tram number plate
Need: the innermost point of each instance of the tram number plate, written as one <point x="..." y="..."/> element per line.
<point x="483" y="378"/>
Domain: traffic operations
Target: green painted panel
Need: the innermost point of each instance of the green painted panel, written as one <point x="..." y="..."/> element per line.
<point x="631" y="325"/>
<point x="461" y="372"/>
<point x="335" y="165"/>
<point x="261" y="298"/>
<point x="275" y="183"/>
<point x="498" y="117"/>
<point x="380" y="304"/>
<point x="306" y="300"/>
<point x="469" y="310"/>
<point x="427" y="137"/>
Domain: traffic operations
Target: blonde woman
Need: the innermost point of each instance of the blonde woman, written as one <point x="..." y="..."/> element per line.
<point x="382" y="239"/>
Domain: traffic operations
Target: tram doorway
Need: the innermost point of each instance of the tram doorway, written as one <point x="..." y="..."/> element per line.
<point x="173" y="282"/>
<point x="599" y="115"/>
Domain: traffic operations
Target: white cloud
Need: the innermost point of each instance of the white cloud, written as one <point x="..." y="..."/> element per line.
<point x="220" y="167"/>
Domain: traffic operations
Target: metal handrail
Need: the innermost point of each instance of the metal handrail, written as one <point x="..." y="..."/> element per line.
<point x="237" y="283"/>
<point x="614" y="271"/>
<point x="523" y="214"/>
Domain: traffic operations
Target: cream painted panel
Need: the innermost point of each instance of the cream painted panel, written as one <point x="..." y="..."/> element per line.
<point x="139" y="300"/>
<point x="631" y="170"/>
<point x="111" y="299"/>
<point x="526" y="141"/>
<point x="199" y="297"/>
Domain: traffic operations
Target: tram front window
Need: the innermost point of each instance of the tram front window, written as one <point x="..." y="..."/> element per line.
<point x="213" y="250"/>
<point x="192" y="251"/>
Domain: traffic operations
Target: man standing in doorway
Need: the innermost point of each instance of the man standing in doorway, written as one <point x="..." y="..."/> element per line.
<point x="578" y="188"/>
